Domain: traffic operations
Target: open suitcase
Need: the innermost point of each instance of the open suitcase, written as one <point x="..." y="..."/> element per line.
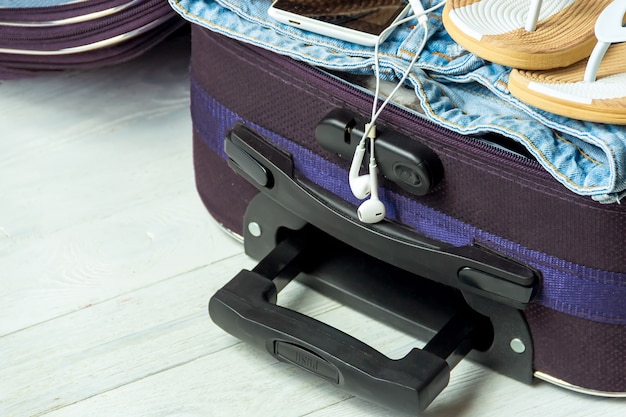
<point x="69" y="34"/>
<point x="483" y="251"/>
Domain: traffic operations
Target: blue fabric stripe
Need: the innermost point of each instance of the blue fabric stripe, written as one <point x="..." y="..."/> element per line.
<point x="569" y="288"/>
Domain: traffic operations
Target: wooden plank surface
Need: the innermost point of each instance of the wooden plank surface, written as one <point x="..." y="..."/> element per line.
<point x="108" y="260"/>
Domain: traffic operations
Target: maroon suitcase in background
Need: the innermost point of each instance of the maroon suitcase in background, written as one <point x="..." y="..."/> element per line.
<point x="474" y="223"/>
<point x="62" y="34"/>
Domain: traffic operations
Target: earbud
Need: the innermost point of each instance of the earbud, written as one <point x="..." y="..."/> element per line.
<point x="359" y="184"/>
<point x="372" y="210"/>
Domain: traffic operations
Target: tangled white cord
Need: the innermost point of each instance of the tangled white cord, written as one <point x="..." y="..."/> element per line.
<point x="370" y="212"/>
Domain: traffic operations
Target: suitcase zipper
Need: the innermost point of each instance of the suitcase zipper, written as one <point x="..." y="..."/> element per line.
<point x="478" y="148"/>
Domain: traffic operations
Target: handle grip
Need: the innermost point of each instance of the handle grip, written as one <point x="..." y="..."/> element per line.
<point x="246" y="308"/>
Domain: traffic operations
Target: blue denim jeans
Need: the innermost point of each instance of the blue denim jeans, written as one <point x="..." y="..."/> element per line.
<point x="455" y="89"/>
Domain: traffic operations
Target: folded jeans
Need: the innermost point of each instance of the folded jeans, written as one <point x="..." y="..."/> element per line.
<point x="456" y="89"/>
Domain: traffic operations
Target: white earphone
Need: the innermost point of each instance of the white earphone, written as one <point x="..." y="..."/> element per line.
<point x="359" y="184"/>
<point x="373" y="210"/>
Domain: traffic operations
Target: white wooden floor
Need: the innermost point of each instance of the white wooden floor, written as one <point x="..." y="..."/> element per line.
<point x="108" y="260"/>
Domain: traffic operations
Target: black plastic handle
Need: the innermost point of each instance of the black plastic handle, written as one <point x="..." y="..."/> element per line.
<point x="246" y="308"/>
<point x="471" y="268"/>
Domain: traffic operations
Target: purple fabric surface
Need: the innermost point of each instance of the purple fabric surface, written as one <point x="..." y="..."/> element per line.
<point x="493" y="192"/>
<point x="584" y="353"/>
<point x="576" y="350"/>
<point x="56" y="38"/>
<point x="11" y="74"/>
<point x="569" y="288"/>
<point x="480" y="196"/>
<point x="96" y="58"/>
<point x="46" y="14"/>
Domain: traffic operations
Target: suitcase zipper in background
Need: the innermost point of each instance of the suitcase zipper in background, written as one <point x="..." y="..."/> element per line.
<point x="105" y="43"/>
<point x="126" y="15"/>
<point x="95" y="45"/>
<point x="74" y="19"/>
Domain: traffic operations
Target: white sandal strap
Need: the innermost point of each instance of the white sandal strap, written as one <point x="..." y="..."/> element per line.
<point x="533" y="15"/>
<point x="609" y="30"/>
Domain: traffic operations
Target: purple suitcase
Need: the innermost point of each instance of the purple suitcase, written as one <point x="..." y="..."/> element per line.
<point x="483" y="225"/>
<point x="80" y="34"/>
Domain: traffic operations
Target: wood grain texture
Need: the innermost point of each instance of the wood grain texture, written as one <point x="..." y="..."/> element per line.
<point x="108" y="260"/>
<point x="94" y="203"/>
<point x="110" y="344"/>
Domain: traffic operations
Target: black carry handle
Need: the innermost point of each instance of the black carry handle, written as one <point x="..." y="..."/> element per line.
<point x="471" y="268"/>
<point x="246" y="308"/>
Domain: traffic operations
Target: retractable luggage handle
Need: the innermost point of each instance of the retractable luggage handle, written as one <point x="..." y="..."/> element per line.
<point x="246" y="307"/>
<point x="494" y="288"/>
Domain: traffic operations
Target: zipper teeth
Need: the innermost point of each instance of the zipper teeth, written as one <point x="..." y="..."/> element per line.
<point x="99" y="24"/>
<point x="444" y="135"/>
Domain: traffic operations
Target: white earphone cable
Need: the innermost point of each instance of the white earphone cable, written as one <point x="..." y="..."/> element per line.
<point x="370" y="128"/>
<point x="424" y="23"/>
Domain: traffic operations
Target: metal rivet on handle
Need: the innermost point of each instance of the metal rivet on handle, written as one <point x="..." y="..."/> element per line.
<point x="518" y="346"/>
<point x="255" y="229"/>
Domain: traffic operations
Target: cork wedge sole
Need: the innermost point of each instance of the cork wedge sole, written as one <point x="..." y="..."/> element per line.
<point x="564" y="91"/>
<point x="497" y="31"/>
<point x="593" y="89"/>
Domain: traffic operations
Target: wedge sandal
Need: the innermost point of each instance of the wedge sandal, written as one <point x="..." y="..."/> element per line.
<point x="525" y="34"/>
<point x="593" y="89"/>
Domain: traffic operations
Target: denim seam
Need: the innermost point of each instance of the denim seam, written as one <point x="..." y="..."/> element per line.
<point x="582" y="153"/>
<point x="491" y="98"/>
<point x="583" y="137"/>
<point x="537" y="152"/>
<point x="294" y="34"/>
<point x="444" y="56"/>
<point x="362" y="62"/>
<point x="561" y="195"/>
<point x="555" y="133"/>
<point x="225" y="30"/>
<point x="598" y="143"/>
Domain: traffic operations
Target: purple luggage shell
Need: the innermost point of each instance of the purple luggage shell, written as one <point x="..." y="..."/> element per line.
<point x="490" y="197"/>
